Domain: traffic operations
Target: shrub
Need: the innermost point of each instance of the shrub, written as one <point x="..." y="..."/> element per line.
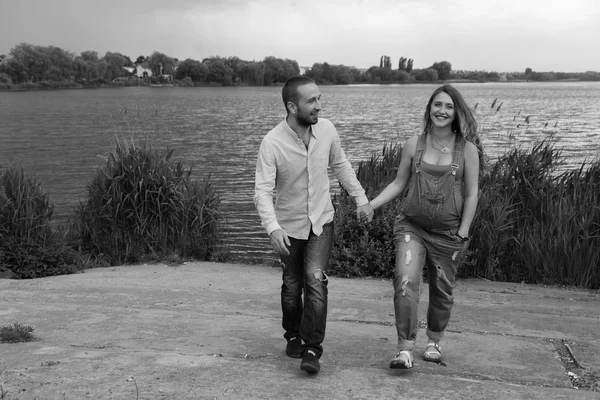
<point x="6" y="81"/>
<point x="536" y="225"/>
<point x="28" y="245"/>
<point x="360" y="250"/>
<point x="186" y="82"/>
<point x="16" y="333"/>
<point x="533" y="224"/>
<point x="142" y="205"/>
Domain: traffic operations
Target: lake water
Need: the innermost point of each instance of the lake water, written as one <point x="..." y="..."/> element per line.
<point x="64" y="136"/>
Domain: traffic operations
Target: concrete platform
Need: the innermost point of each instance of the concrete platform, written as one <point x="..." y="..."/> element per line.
<point x="213" y="331"/>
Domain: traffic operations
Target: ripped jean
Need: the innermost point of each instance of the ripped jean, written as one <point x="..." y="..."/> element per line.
<point x="442" y="252"/>
<point x="304" y="269"/>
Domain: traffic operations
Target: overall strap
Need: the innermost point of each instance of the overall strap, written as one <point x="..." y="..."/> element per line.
<point x="457" y="152"/>
<point x="420" y="150"/>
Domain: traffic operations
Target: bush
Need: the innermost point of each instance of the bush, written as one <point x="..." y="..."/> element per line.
<point x="532" y="224"/>
<point x="28" y="245"/>
<point x="16" y="333"/>
<point x="142" y="205"/>
<point x="6" y="81"/>
<point x="536" y="225"/>
<point x="360" y="250"/>
<point x="186" y="82"/>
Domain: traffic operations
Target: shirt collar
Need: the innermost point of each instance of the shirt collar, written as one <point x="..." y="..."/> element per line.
<point x="289" y="129"/>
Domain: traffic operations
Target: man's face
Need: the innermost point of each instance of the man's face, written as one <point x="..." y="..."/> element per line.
<point x="308" y="105"/>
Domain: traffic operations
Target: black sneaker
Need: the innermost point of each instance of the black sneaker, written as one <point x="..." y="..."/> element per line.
<point x="294" y="347"/>
<point x="310" y="362"/>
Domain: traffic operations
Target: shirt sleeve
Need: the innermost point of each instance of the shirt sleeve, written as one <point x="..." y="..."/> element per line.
<point x="264" y="184"/>
<point x="343" y="171"/>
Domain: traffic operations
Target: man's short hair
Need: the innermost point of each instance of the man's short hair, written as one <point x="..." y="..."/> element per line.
<point x="290" y="89"/>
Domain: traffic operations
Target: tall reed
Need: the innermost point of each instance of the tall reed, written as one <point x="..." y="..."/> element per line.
<point x="533" y="223"/>
<point x="145" y="205"/>
<point x="28" y="245"/>
<point x="537" y="226"/>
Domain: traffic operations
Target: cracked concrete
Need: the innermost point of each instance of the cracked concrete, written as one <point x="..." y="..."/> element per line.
<point x="213" y="331"/>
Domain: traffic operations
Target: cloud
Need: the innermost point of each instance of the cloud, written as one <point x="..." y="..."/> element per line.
<point x="471" y="34"/>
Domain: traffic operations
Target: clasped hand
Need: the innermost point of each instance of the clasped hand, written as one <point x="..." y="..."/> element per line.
<point x="280" y="240"/>
<point x="364" y="213"/>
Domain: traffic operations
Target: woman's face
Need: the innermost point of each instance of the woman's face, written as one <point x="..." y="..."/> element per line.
<point x="442" y="110"/>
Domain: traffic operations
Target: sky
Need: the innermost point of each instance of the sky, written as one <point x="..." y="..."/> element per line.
<point x="488" y="35"/>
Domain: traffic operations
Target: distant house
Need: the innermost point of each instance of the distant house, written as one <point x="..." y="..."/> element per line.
<point x="303" y="70"/>
<point x="140" y="70"/>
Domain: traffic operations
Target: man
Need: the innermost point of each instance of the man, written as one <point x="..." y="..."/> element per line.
<point x="293" y="159"/>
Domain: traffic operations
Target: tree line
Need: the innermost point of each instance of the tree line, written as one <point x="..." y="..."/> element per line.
<point x="27" y="64"/>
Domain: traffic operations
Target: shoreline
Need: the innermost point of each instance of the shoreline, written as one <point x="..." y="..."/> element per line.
<point x="213" y="85"/>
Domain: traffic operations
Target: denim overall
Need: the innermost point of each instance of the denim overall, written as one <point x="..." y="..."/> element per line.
<point x="425" y="234"/>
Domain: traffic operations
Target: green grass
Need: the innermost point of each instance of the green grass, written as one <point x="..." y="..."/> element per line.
<point x="16" y="333"/>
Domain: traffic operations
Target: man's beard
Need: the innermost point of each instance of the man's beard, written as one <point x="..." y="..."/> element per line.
<point x="306" y="119"/>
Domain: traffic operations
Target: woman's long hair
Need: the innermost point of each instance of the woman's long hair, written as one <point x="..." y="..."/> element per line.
<point x="464" y="120"/>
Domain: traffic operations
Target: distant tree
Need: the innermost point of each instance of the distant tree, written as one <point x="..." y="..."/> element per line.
<point x="39" y="60"/>
<point x="387" y="62"/>
<point x="90" y="56"/>
<point x="160" y="63"/>
<point x="402" y="64"/>
<point x="316" y="73"/>
<point x="218" y="72"/>
<point x="443" y="69"/>
<point x="278" y="70"/>
<point x="380" y="74"/>
<point x="81" y="68"/>
<point x="343" y="75"/>
<point x="33" y="61"/>
<point x="334" y="74"/>
<point x="234" y="63"/>
<point x="101" y="71"/>
<point x="5" y="79"/>
<point x="409" y="65"/>
<point x="290" y="69"/>
<point x="328" y="73"/>
<point x="195" y="70"/>
<point x="543" y="76"/>
<point x="186" y="82"/>
<point x="54" y="74"/>
<point x="251" y="73"/>
<point x="589" y="76"/>
<point x="141" y="60"/>
<point x="402" y="76"/>
<point x="528" y="71"/>
<point x="115" y="63"/>
<point x="425" y="75"/>
<point x="14" y="69"/>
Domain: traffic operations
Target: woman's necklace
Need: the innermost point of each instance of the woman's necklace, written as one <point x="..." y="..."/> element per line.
<point x="444" y="148"/>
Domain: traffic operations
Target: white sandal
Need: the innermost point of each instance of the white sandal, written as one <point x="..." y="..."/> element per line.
<point x="403" y="360"/>
<point x="433" y="355"/>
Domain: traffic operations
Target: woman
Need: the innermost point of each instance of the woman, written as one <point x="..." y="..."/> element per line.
<point x="441" y="168"/>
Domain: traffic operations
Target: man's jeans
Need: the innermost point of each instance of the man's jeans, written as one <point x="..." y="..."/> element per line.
<point x="304" y="269"/>
<point x="442" y="252"/>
